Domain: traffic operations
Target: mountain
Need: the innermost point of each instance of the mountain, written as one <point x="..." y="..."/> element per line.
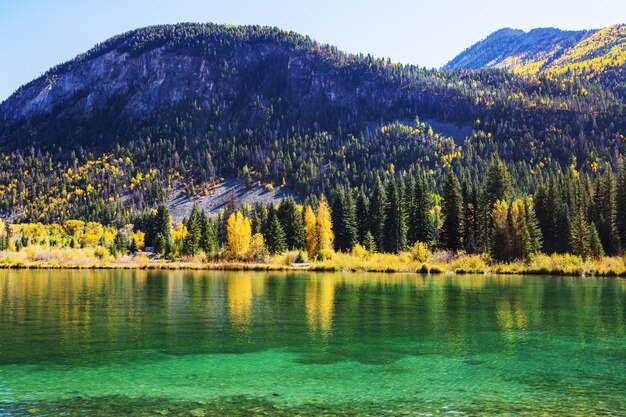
<point x="181" y="107"/>
<point x="546" y="50"/>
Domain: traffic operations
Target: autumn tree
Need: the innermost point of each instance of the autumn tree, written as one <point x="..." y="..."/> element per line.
<point x="310" y="232"/>
<point x="324" y="228"/>
<point x="238" y="234"/>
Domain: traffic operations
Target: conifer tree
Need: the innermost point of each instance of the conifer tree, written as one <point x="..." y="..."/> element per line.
<point x="603" y="213"/>
<point x="597" y="251"/>
<point x="362" y="217"/>
<point x="419" y="224"/>
<point x="471" y="229"/>
<point x="378" y="204"/>
<point x="369" y="243"/>
<point x="452" y="209"/>
<point x="275" y="235"/>
<point x="497" y="187"/>
<point x="580" y="236"/>
<point x="159" y="224"/>
<point x="208" y="238"/>
<point x="620" y="204"/>
<point x="258" y="218"/>
<point x="191" y="241"/>
<point x="344" y="221"/>
<point x="292" y="223"/>
<point x="395" y="220"/>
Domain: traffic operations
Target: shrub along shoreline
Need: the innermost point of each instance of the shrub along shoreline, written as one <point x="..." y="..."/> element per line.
<point x="443" y="262"/>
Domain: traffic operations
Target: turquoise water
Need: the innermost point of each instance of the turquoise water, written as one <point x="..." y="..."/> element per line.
<point x="253" y="343"/>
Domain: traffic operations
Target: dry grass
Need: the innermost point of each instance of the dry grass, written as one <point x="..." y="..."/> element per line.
<point x="358" y="260"/>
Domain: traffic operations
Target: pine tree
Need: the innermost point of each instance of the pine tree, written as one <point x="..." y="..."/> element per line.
<point x="497" y="187"/>
<point x="258" y="218"/>
<point x="580" y="236"/>
<point x="452" y="209"/>
<point x="378" y="204"/>
<point x="191" y="242"/>
<point x="603" y="213"/>
<point x="535" y="238"/>
<point x="208" y="237"/>
<point x="596" y="249"/>
<point x="620" y="204"/>
<point x="292" y="223"/>
<point x="362" y="217"/>
<point x="344" y="221"/>
<point x="419" y="225"/>
<point x="369" y="243"/>
<point x="275" y="235"/>
<point x="158" y="224"/>
<point x="395" y="220"/>
<point x="471" y="229"/>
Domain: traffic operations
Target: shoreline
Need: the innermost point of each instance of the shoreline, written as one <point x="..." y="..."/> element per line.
<point x="425" y="269"/>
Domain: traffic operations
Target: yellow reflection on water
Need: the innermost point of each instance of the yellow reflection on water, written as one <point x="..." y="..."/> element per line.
<point x="239" y="289"/>
<point x="319" y="300"/>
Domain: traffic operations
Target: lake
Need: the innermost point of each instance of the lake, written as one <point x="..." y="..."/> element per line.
<point x="207" y="343"/>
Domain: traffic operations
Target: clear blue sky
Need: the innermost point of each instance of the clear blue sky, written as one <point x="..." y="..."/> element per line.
<point x="38" y="34"/>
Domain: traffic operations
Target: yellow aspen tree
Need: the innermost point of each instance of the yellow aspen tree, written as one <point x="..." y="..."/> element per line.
<point x="74" y="228"/>
<point x="139" y="239"/>
<point x="310" y="232"/>
<point x="238" y="235"/>
<point x="324" y="227"/>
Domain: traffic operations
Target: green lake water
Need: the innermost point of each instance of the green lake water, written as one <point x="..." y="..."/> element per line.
<point x="96" y="343"/>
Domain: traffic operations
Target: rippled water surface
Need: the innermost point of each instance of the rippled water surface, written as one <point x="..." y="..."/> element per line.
<point x="91" y="343"/>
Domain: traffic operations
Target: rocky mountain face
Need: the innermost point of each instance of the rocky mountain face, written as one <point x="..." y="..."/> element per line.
<point x="546" y="50"/>
<point x="237" y="75"/>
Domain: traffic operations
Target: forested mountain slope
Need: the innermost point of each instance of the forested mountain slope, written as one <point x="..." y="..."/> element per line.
<point x="547" y="50"/>
<point x="188" y="104"/>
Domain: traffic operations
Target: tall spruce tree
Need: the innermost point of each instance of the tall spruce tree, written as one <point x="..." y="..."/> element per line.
<point x="419" y="224"/>
<point x="497" y="187"/>
<point x="452" y="208"/>
<point x="362" y="217"/>
<point x="159" y="225"/>
<point x="291" y="221"/>
<point x="395" y="220"/>
<point x="275" y="235"/>
<point x="603" y="212"/>
<point x="191" y="242"/>
<point x="378" y="208"/>
<point x="580" y="236"/>
<point x="471" y="226"/>
<point x="344" y="220"/>
<point x="208" y="237"/>
<point x="620" y="204"/>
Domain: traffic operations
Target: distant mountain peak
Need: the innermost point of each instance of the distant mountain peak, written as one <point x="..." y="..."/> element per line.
<point x="545" y="50"/>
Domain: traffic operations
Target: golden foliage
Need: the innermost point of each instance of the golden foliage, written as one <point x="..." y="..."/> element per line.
<point x="310" y="231"/>
<point x="324" y="227"/>
<point x="238" y="235"/>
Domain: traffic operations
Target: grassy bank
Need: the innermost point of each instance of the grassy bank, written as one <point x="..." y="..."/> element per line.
<point x="438" y="262"/>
